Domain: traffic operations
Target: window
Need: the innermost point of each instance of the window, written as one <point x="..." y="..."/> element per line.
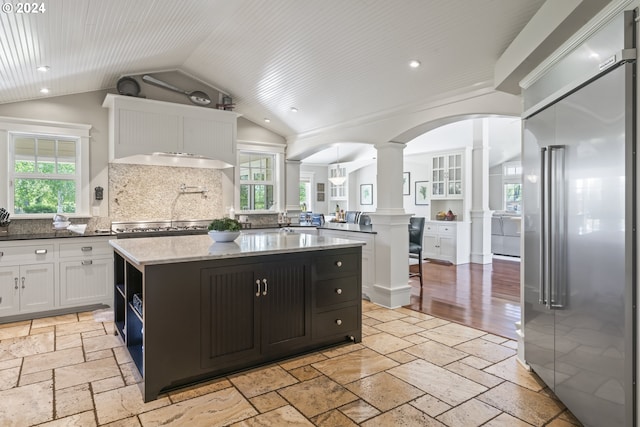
<point x="511" y="181"/>
<point x="306" y="191"/>
<point x="257" y="181"/>
<point x="44" y="175"/>
<point x="513" y="198"/>
<point x="44" y="167"/>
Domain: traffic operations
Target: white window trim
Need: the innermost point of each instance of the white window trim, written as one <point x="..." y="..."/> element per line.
<point x="11" y="125"/>
<point x="278" y="171"/>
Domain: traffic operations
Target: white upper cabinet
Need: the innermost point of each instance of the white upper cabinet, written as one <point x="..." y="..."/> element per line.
<point x="447" y="174"/>
<point x="139" y="127"/>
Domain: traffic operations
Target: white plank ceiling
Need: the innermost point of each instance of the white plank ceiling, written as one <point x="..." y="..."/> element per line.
<point x="336" y="61"/>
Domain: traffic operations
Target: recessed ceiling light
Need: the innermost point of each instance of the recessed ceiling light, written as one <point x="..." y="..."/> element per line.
<point x="43" y="68"/>
<point x="414" y="63"/>
<point x="267" y="120"/>
<point x="44" y="90"/>
<point x="294" y="110"/>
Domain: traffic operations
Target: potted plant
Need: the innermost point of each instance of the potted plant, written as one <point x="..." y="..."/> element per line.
<point x="224" y="229"/>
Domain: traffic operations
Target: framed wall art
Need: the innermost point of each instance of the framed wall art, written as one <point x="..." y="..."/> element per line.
<point x="366" y="194"/>
<point x="422" y="192"/>
<point x="406" y="183"/>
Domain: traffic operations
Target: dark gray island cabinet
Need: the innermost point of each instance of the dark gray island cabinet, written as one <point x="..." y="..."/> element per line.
<point x="188" y="309"/>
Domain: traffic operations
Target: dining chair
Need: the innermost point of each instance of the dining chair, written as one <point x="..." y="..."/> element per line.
<point x="416" y="232"/>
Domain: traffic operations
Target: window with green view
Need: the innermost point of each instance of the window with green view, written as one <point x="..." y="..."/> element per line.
<point x="44" y="176"/>
<point x="256" y="181"/>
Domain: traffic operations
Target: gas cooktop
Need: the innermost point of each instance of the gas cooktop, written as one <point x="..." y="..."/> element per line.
<point x="159" y="228"/>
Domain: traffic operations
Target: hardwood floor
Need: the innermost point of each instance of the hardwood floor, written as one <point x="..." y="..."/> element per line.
<point x="485" y="297"/>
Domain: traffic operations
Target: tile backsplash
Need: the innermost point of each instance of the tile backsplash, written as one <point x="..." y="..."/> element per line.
<point x="148" y="193"/>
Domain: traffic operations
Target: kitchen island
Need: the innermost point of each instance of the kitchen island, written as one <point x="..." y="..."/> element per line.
<point x="189" y="309"/>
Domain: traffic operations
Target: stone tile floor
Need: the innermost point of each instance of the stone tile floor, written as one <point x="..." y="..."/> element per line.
<point x="411" y="369"/>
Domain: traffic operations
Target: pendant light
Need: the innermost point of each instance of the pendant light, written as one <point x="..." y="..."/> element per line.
<point x="339" y="177"/>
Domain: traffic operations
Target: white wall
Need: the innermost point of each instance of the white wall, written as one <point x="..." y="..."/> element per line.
<point x="320" y="175"/>
<point x="86" y="108"/>
<point x="495" y="188"/>
<point x="419" y="168"/>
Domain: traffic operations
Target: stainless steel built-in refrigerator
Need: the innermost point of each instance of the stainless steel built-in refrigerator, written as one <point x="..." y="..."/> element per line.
<point x="579" y="219"/>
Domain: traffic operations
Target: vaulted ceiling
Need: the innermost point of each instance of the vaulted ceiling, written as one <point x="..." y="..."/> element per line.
<point x="336" y="61"/>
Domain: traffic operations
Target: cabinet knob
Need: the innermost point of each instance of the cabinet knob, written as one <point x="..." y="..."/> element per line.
<point x="339" y="291"/>
<point x="338" y="322"/>
<point x="339" y="263"/>
<point x="86" y="248"/>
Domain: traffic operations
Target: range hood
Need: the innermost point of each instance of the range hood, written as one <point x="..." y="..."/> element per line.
<point x="184" y="160"/>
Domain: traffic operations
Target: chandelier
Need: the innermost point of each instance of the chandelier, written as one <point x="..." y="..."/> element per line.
<point x="339" y="176"/>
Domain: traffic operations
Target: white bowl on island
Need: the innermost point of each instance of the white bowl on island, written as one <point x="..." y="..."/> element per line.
<point x="223" y="236"/>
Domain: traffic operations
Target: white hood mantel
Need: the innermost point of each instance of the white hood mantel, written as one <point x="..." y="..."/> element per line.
<point x="150" y="132"/>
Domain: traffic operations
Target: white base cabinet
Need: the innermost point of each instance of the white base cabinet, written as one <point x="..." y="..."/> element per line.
<point x="26" y="288"/>
<point x="368" y="254"/>
<point x="85" y="281"/>
<point x="447" y="241"/>
<point x="50" y="274"/>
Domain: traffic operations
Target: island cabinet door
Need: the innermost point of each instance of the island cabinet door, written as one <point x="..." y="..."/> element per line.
<point x="229" y="316"/>
<point x="285" y="298"/>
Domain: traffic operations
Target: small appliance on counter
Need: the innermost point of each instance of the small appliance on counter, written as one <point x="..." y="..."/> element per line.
<point x="4" y="221"/>
<point x="60" y="222"/>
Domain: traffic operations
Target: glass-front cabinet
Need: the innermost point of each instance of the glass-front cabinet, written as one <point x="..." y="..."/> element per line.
<point x="447" y="176"/>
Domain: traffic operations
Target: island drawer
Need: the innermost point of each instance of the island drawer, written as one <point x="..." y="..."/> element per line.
<point x="337" y="265"/>
<point x="336" y="291"/>
<point x="85" y="249"/>
<point x="335" y="322"/>
<point x="25" y="254"/>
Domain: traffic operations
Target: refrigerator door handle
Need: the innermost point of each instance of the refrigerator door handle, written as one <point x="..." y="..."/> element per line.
<point x="547" y="225"/>
<point x="557" y="230"/>
<point x="544" y="220"/>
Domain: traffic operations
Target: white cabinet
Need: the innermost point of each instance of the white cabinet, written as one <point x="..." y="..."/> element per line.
<point x="140" y="127"/>
<point x="86" y="272"/>
<point x="338" y="192"/>
<point x="368" y="254"/>
<point x="447" y="241"/>
<point x="26" y="278"/>
<point x="54" y="274"/>
<point x="26" y="288"/>
<point x="447" y="176"/>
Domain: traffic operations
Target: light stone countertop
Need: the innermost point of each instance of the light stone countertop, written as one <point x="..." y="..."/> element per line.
<point x="173" y="249"/>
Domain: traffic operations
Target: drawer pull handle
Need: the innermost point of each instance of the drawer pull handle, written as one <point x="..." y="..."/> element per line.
<point x="339" y="263"/>
<point x="258" y="288"/>
<point x="339" y="291"/>
<point x="338" y="322"/>
<point x="22" y="282"/>
<point x="41" y="251"/>
<point x="87" y="262"/>
<point x="1" y="253"/>
<point x="265" y="286"/>
<point x="16" y="279"/>
<point x="86" y="248"/>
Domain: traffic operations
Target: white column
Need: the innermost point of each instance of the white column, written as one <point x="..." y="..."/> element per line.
<point x="292" y="187"/>
<point x="390" y="222"/>
<point x="480" y="213"/>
